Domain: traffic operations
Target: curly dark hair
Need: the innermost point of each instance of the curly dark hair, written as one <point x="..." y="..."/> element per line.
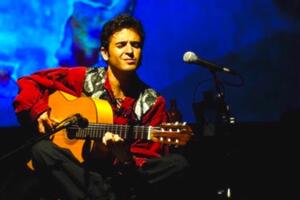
<point x="116" y="24"/>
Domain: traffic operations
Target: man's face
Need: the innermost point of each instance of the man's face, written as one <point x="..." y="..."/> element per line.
<point x="124" y="50"/>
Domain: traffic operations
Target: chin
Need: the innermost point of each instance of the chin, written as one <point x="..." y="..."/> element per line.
<point x="130" y="68"/>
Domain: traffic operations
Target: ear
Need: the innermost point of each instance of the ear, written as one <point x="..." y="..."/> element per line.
<point x="104" y="53"/>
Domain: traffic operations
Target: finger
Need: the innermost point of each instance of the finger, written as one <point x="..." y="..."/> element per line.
<point x="44" y="125"/>
<point x="44" y="122"/>
<point x="49" y="123"/>
<point x="117" y="138"/>
<point x="104" y="140"/>
<point x="41" y="127"/>
<point x="108" y="136"/>
<point x="54" y="122"/>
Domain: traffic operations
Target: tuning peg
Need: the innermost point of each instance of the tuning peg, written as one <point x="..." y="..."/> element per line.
<point x="176" y="143"/>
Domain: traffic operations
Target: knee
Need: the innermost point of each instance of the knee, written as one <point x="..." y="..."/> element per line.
<point x="179" y="161"/>
<point x="41" y="149"/>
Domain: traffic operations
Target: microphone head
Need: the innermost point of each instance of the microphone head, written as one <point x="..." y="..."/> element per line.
<point x="82" y="122"/>
<point x="190" y="57"/>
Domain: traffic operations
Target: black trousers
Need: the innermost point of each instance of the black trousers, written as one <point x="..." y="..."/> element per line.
<point x="76" y="181"/>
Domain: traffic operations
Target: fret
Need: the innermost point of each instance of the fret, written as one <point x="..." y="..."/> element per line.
<point x="116" y="130"/>
<point x="125" y="130"/>
<point x="93" y="133"/>
<point x="135" y="131"/>
<point x="122" y="130"/>
<point x="119" y="132"/>
<point x="124" y="135"/>
<point x="103" y="130"/>
<point x="148" y="136"/>
<point x="80" y="133"/>
<point x="143" y="132"/>
<point x="140" y="132"/>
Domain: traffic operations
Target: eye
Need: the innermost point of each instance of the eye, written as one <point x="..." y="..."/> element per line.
<point x="136" y="44"/>
<point x="120" y="44"/>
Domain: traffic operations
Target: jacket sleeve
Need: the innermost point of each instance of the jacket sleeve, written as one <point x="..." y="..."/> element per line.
<point x="34" y="90"/>
<point x="157" y="114"/>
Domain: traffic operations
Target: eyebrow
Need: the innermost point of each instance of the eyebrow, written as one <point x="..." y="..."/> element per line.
<point x="125" y="41"/>
<point x="131" y="42"/>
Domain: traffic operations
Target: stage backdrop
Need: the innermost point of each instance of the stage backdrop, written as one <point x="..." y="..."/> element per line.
<point x="259" y="39"/>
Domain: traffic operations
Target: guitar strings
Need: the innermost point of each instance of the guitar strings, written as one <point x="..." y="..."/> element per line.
<point x="96" y="130"/>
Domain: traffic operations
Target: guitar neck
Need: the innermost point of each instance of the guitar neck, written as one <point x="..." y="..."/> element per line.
<point x="97" y="131"/>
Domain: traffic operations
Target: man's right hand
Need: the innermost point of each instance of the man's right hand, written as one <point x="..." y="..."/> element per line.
<point x="44" y="123"/>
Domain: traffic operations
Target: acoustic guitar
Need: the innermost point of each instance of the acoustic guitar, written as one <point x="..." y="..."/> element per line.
<point x="99" y="114"/>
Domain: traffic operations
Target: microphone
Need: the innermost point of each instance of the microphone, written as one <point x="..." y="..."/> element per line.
<point x="75" y="119"/>
<point x="78" y="119"/>
<point x="191" y="58"/>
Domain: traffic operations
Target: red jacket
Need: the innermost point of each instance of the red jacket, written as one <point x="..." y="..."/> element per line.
<point x="34" y="90"/>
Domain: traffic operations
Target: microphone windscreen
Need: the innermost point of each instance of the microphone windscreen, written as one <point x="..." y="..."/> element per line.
<point x="83" y="122"/>
<point x="189" y="56"/>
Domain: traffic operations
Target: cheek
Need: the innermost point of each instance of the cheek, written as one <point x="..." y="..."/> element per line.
<point x="114" y="59"/>
<point x="138" y="53"/>
<point x="115" y="53"/>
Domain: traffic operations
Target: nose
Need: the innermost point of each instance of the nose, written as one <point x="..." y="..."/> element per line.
<point x="129" y="49"/>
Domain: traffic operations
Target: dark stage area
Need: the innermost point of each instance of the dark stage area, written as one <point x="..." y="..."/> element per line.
<point x="246" y="68"/>
<point x="252" y="160"/>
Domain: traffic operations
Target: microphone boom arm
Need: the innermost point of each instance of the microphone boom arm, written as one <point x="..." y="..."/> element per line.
<point x="75" y="119"/>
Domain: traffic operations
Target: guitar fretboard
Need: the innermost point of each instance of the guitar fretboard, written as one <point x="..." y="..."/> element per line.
<point x="97" y="131"/>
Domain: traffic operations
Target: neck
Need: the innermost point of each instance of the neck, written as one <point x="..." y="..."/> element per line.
<point x="121" y="83"/>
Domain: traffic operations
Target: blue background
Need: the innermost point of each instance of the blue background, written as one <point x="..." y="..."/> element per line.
<point x="258" y="38"/>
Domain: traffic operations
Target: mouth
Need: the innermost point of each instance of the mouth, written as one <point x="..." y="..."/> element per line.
<point x="130" y="61"/>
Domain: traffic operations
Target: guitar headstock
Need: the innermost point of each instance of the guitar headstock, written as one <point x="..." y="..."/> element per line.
<point x="172" y="133"/>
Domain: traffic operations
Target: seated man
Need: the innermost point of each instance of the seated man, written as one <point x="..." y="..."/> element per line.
<point x="115" y="166"/>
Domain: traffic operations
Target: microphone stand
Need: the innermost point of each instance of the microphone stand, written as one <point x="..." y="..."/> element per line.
<point x="7" y="161"/>
<point x="223" y="122"/>
<point x="27" y="144"/>
<point x="223" y="116"/>
<point x="33" y="140"/>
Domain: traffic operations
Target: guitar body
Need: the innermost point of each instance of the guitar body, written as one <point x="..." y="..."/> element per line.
<point x="64" y="105"/>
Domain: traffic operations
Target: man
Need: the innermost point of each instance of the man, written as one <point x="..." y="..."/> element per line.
<point x="111" y="163"/>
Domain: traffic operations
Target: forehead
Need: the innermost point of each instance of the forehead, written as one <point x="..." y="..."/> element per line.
<point x="125" y="34"/>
